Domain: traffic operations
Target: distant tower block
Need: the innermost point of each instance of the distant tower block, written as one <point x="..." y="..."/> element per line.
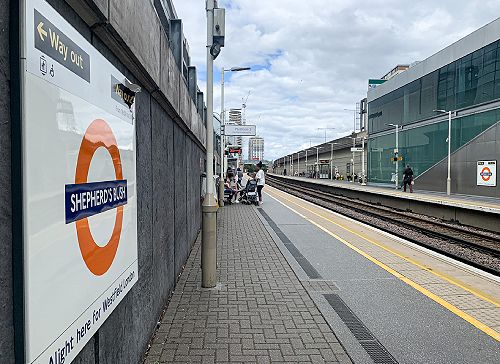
<point x="256" y="148"/>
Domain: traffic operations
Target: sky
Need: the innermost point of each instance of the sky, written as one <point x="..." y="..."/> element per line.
<point x="312" y="59"/>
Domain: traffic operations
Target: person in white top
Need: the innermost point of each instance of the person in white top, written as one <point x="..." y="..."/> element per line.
<point x="261" y="180"/>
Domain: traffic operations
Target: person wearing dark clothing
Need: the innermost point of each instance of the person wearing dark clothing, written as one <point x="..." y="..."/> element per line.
<point x="240" y="175"/>
<point x="408" y="178"/>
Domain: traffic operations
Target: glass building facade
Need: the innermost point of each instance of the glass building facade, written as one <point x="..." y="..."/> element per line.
<point x="465" y="83"/>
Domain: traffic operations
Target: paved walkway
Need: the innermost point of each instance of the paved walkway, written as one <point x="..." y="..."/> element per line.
<point x="260" y="314"/>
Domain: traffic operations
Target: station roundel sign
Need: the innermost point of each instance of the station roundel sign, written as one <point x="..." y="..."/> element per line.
<point x="98" y="259"/>
<point x="486" y="174"/>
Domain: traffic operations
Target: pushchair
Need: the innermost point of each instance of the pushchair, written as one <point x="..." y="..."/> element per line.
<point x="228" y="195"/>
<point x="248" y="195"/>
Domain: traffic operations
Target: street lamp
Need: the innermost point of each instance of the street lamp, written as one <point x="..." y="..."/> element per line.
<point x="317" y="161"/>
<point x="448" y="179"/>
<point x="298" y="163"/>
<point x="396" y="154"/>
<point x="331" y="159"/>
<point x="306" y="164"/>
<point x="363" y="177"/>
<point x="353" y="156"/>
<point x="222" y="137"/>
<point x="209" y="206"/>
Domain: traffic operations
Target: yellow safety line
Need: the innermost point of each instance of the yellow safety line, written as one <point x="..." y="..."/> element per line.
<point x="443" y="276"/>
<point x="473" y="321"/>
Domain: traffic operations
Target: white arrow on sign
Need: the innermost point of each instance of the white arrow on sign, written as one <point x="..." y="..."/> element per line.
<point x="41" y="32"/>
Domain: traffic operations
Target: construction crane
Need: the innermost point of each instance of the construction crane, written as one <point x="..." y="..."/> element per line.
<point x="244" y="106"/>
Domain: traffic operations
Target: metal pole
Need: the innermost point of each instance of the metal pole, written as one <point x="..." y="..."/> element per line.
<point x="448" y="180"/>
<point x="317" y="162"/>
<point x="298" y="163"/>
<point x="396" y="155"/>
<point x="209" y="207"/>
<point x="354" y="145"/>
<point x="331" y="161"/>
<point x="363" y="182"/>
<point x="306" y="162"/>
<point x="222" y="140"/>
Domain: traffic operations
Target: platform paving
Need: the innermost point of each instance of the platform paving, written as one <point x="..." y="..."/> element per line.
<point x="260" y="313"/>
<point x="489" y="204"/>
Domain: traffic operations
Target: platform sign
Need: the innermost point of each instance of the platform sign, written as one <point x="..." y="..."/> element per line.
<point x="356" y="149"/>
<point x="487" y="173"/>
<point x="79" y="187"/>
<point x="240" y="130"/>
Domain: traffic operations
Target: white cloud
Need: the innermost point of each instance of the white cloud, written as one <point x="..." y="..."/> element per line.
<point x="313" y="58"/>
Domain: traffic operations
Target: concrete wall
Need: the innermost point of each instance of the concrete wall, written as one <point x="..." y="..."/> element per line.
<point x="170" y="142"/>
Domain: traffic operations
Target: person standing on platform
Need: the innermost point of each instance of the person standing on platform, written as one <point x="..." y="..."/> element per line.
<point x="261" y="180"/>
<point x="408" y="178"/>
<point x="239" y="172"/>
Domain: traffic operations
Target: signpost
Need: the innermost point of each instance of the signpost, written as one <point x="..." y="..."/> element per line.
<point x="79" y="187"/>
<point x="239" y="130"/>
<point x="487" y="173"/>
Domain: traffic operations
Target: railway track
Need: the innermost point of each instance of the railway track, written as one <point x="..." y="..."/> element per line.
<point x="472" y="246"/>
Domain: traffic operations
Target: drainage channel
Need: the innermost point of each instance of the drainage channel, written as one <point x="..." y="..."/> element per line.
<point x="373" y="347"/>
<point x="311" y="272"/>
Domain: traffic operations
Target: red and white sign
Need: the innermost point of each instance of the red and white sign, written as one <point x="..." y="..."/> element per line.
<point x="487" y="173"/>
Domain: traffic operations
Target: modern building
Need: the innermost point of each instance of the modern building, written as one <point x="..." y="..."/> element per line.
<point x="235" y="118"/>
<point x="255" y="148"/>
<point x="463" y="78"/>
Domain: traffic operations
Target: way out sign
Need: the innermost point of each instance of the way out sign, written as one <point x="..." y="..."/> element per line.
<point x="487" y="173"/>
<point x="79" y="188"/>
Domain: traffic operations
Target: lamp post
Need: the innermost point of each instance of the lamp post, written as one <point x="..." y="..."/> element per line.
<point x="209" y="207"/>
<point x="306" y="164"/>
<point x="222" y="119"/>
<point x="396" y="154"/>
<point x="448" y="179"/>
<point x="298" y="163"/>
<point x="317" y="161"/>
<point x="331" y="160"/>
<point x="363" y="181"/>
<point x="353" y="156"/>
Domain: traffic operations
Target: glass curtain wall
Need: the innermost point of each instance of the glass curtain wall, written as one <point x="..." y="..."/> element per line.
<point x="471" y="80"/>
<point x="425" y="146"/>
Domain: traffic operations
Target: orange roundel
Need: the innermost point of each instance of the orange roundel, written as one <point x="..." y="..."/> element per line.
<point x="98" y="259"/>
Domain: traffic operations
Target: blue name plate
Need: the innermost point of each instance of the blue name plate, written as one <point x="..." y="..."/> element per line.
<point x="87" y="199"/>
